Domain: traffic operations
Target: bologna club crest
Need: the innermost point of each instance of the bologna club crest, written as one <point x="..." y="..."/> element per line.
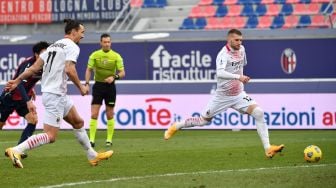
<point x="288" y="61"/>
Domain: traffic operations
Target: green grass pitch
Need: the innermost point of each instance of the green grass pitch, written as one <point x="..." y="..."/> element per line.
<point x="192" y="158"/>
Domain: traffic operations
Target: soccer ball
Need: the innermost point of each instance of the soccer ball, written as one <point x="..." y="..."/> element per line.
<point x="312" y="153"/>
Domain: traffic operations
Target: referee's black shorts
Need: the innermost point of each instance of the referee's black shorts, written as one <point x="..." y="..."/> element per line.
<point x="104" y="91"/>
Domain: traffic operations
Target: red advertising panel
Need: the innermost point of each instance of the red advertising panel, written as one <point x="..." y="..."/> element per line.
<point x="48" y="11"/>
<point x="25" y="11"/>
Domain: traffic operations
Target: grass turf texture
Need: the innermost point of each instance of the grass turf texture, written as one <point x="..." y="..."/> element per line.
<point x="190" y="159"/>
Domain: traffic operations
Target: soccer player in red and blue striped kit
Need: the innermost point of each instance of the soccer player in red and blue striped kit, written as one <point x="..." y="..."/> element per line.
<point x="20" y="98"/>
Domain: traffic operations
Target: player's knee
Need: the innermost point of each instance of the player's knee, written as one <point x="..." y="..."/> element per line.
<point x="52" y="138"/>
<point x="109" y="112"/>
<point x="79" y="123"/>
<point x="32" y="119"/>
<point x="94" y="115"/>
<point x="258" y="113"/>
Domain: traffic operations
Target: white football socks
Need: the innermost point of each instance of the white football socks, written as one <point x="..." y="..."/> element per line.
<point x="84" y="140"/>
<point x="191" y="122"/>
<point x="32" y="142"/>
<point x="40" y="139"/>
<point x="262" y="128"/>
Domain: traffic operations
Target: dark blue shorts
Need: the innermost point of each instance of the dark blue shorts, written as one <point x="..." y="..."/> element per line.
<point x="8" y="105"/>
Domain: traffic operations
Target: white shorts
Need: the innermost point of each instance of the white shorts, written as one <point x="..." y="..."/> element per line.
<point x="220" y="103"/>
<point x="56" y="107"/>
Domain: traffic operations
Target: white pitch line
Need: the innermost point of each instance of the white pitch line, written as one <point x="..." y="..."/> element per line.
<point x="184" y="173"/>
<point x="5" y="142"/>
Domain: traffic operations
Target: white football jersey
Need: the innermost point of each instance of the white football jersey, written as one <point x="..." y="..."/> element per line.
<point x="54" y="78"/>
<point x="231" y="61"/>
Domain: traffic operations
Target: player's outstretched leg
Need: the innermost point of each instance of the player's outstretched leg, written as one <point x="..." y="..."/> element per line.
<point x="170" y="131"/>
<point x="101" y="156"/>
<point x="15" y="157"/>
<point x="190" y="122"/>
<point x="274" y="149"/>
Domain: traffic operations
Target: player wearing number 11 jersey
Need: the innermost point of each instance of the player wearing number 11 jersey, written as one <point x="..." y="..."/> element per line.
<point x="230" y="93"/>
<point x="54" y="67"/>
<point x="58" y="64"/>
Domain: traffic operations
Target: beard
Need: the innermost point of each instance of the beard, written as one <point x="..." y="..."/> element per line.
<point x="235" y="47"/>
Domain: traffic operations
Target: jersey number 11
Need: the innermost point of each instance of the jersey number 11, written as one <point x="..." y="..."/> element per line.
<point x="51" y="56"/>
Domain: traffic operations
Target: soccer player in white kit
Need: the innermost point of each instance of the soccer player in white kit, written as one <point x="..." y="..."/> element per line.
<point x="230" y="93"/>
<point x="58" y="64"/>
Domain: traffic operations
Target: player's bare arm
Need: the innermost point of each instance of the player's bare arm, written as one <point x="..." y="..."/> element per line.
<point x="34" y="69"/>
<point x="33" y="97"/>
<point x="70" y="70"/>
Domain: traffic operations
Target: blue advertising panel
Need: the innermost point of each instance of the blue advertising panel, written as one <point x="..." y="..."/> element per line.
<point x="132" y="53"/>
<point x="10" y="57"/>
<point x="300" y="58"/>
<point x="315" y="58"/>
<point x="182" y="60"/>
<point x="306" y="58"/>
